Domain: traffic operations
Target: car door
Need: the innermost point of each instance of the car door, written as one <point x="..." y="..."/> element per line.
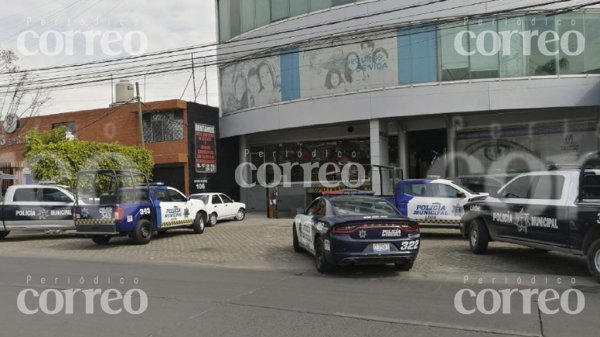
<point x="22" y="212"/>
<point x="58" y="208"/>
<point x="549" y="217"/>
<point x="306" y="223"/>
<point x="414" y="195"/>
<point x="229" y="206"/>
<point x="508" y="211"/>
<point x="218" y="206"/>
<point x="443" y="204"/>
<point x="172" y="206"/>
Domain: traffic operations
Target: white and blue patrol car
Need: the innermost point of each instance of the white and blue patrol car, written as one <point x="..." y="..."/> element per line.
<point x="433" y="202"/>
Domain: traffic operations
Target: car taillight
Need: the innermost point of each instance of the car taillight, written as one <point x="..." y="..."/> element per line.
<point x="409" y="227"/>
<point x="344" y="229"/>
<point x="118" y="213"/>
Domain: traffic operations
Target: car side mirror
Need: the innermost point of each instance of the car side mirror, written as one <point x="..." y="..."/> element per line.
<point x="300" y="211"/>
<point x="461" y="195"/>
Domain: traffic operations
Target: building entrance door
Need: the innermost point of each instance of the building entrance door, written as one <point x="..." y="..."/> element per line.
<point x="426" y="152"/>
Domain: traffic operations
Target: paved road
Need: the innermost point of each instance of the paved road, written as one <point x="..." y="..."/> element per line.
<point x="243" y="279"/>
<point x="191" y="300"/>
<point x="261" y="243"/>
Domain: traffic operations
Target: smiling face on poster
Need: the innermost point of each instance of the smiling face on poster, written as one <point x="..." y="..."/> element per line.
<point x="349" y="67"/>
<point x="250" y="84"/>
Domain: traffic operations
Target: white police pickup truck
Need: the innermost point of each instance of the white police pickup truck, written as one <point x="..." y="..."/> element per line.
<point x="433" y="203"/>
<point x="36" y="208"/>
<point x="551" y="210"/>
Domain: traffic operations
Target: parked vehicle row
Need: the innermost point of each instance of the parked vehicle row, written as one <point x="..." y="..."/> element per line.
<point x="109" y="203"/>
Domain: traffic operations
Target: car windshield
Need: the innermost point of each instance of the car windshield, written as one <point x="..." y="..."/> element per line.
<point x="347" y="206"/>
<point x="202" y="197"/>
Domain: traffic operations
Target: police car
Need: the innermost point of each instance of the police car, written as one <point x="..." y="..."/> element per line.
<point x="434" y="203"/>
<point x="349" y="230"/>
<point x="112" y="203"/>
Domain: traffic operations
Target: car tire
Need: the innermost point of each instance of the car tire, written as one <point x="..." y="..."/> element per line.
<point x="142" y="233"/>
<point x="212" y="220"/>
<point x="4" y="234"/>
<point x="323" y="266"/>
<point x="295" y="241"/>
<point x="478" y="237"/>
<point x="593" y="260"/>
<point x="101" y="239"/>
<point x="406" y="266"/>
<point x="240" y="215"/>
<point x="199" y="223"/>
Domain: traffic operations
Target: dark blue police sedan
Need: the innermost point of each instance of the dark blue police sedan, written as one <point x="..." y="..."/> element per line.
<point x="352" y="230"/>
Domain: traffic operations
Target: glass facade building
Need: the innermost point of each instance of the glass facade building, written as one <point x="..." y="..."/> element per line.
<point x="239" y="16"/>
<point x="524" y="46"/>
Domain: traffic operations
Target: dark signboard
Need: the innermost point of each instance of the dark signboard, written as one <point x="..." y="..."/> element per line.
<point x="206" y="148"/>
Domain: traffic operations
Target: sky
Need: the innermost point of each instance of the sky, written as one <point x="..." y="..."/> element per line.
<point x="29" y="28"/>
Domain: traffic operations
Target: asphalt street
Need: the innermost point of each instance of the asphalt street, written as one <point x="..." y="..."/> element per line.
<point x="193" y="300"/>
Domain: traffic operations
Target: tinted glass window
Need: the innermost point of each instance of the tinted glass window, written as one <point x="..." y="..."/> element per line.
<point x="518" y="188"/>
<point x="54" y="195"/>
<point x="226" y="199"/>
<point x="216" y="199"/>
<point x="204" y="198"/>
<point x="444" y="191"/>
<point x="26" y="195"/>
<point x="175" y="196"/>
<point x="548" y="187"/>
<point x="314" y="208"/>
<point x="416" y="189"/>
<point x="161" y="195"/>
<point x="359" y="206"/>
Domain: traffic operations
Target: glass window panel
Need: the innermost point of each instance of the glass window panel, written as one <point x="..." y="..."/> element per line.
<point x="316" y="5"/>
<point x="417" y="52"/>
<point x="482" y="64"/>
<point x="224" y="10"/>
<point x="342" y="2"/>
<point x="280" y="9"/>
<point x="592" y="43"/>
<point x="247" y="15"/>
<point x="262" y="13"/>
<point x="514" y="64"/>
<point x="234" y="18"/>
<point x="544" y="54"/>
<point x="454" y="66"/>
<point x="572" y="48"/>
<point x="298" y="7"/>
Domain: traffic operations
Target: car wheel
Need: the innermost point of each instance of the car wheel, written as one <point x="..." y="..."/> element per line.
<point x="241" y="214"/>
<point x="295" y="241"/>
<point x="101" y="239"/>
<point x="212" y="219"/>
<point x="406" y="266"/>
<point x="478" y="237"/>
<point x="142" y="233"/>
<point x="321" y="263"/>
<point x="198" y="225"/>
<point x="593" y="259"/>
<point x="3" y="234"/>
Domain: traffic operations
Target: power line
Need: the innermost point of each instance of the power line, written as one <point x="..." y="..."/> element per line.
<point x="174" y="67"/>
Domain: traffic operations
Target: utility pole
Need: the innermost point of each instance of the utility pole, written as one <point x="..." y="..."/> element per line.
<point x="194" y="77"/>
<point x="139" y="109"/>
<point x="205" y="81"/>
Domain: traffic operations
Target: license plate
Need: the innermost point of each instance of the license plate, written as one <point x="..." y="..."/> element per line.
<point x="381" y="247"/>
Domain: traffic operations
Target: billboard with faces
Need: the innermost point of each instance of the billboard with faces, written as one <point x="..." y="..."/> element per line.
<point x="250" y="84"/>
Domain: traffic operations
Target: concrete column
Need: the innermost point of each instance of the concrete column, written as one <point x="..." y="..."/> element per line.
<point x="402" y="150"/>
<point x="380" y="178"/>
<point x="244" y="158"/>
<point x="450" y="162"/>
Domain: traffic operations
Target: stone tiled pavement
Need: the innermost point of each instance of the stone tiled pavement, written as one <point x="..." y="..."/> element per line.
<point x="263" y="243"/>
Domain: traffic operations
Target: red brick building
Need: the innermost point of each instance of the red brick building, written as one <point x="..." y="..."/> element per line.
<point x="169" y="128"/>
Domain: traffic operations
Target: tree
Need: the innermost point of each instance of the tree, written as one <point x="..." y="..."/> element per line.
<point x="18" y="97"/>
<point x="50" y="156"/>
